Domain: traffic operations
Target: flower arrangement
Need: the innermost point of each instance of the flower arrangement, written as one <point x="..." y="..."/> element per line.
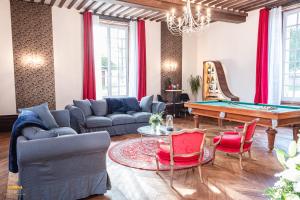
<point x="156" y="119"/>
<point x="288" y="185"/>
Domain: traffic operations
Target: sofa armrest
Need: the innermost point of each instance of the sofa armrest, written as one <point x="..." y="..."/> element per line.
<point x="29" y="151"/>
<point x="158" y="107"/>
<point x="77" y="117"/>
<point x="62" y="117"/>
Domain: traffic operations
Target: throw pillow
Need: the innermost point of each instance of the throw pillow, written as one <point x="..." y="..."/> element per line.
<point x="44" y="114"/>
<point x="115" y="105"/>
<point x="132" y="104"/>
<point x="85" y="106"/>
<point x="99" y="107"/>
<point x="146" y="103"/>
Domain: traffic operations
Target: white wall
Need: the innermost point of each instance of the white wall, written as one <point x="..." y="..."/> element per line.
<point x="235" y="46"/>
<point x="7" y="86"/>
<point x="153" y="57"/>
<point x="189" y="62"/>
<point x="68" y="55"/>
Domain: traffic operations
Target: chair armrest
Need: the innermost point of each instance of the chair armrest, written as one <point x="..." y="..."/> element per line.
<point x="29" y="151"/>
<point x="77" y="117"/>
<point x="158" y="107"/>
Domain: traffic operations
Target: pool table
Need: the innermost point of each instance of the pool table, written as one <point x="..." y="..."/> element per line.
<point x="271" y="116"/>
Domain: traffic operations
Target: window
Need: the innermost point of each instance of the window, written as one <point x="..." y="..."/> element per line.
<point x="291" y="56"/>
<point x="111" y="60"/>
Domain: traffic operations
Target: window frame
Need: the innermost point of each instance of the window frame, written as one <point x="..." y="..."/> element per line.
<point x="108" y="27"/>
<point x="284" y="61"/>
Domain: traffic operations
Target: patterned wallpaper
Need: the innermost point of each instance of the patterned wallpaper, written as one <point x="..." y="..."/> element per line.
<point x="171" y="53"/>
<point x="33" y="54"/>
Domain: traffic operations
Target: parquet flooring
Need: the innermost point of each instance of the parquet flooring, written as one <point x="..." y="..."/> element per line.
<point x="224" y="180"/>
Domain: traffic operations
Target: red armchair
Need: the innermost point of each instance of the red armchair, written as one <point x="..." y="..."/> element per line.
<point x="236" y="142"/>
<point x="184" y="150"/>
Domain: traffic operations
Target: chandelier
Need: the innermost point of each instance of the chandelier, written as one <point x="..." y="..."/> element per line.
<point x="188" y="23"/>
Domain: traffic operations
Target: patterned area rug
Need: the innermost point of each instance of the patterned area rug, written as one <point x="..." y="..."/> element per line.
<point x="139" y="153"/>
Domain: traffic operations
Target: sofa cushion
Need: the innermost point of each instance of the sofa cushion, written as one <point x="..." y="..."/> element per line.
<point x="118" y="119"/>
<point x="141" y="117"/>
<point x="85" y="106"/>
<point x="99" y="107"/>
<point x="146" y="103"/>
<point x="34" y="133"/>
<point x="44" y="114"/>
<point x="98" y="121"/>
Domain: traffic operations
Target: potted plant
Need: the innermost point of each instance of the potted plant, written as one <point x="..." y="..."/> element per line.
<point x="155" y="121"/>
<point x="288" y="185"/>
<point x="195" y="84"/>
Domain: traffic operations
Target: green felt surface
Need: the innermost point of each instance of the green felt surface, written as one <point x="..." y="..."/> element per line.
<point x="250" y="106"/>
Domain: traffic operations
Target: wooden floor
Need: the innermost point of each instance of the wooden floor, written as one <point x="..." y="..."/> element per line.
<point x="224" y="180"/>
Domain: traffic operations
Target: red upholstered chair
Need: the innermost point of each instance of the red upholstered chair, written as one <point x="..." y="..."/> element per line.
<point x="236" y="142"/>
<point x="184" y="150"/>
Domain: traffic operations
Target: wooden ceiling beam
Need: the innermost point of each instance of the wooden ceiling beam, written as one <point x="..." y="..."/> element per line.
<point x="238" y="3"/>
<point x="52" y="2"/>
<point x="143" y="13"/>
<point x="107" y="9"/>
<point x="61" y="4"/>
<point x="43" y="1"/>
<point x="146" y="14"/>
<point x="224" y="2"/>
<point x="271" y="4"/>
<point x="99" y="7"/>
<point x="91" y="6"/>
<point x="161" y="15"/>
<point x="115" y="10"/>
<point x="124" y="11"/>
<point x="206" y="2"/>
<point x="152" y="15"/>
<point x="251" y="3"/>
<point x="213" y="3"/>
<point x="136" y="14"/>
<point x="130" y="13"/>
<point x="72" y="4"/>
<point x="232" y="3"/>
<point x="82" y="4"/>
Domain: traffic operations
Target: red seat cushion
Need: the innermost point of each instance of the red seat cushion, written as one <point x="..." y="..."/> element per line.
<point x="230" y="143"/>
<point x="231" y="133"/>
<point x="164" y="157"/>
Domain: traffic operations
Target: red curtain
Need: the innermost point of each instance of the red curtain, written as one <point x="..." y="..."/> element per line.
<point x="89" y="86"/>
<point x="261" y="94"/>
<point x="141" y="59"/>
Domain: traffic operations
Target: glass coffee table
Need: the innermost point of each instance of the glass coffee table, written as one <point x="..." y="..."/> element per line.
<point x="147" y="131"/>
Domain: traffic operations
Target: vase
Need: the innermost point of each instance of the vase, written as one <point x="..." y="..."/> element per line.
<point x="156" y="128"/>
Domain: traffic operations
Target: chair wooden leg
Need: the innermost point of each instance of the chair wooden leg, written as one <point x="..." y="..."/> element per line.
<point x="241" y="157"/>
<point x="171" y="175"/>
<point x="214" y="156"/>
<point x="200" y="173"/>
<point x="157" y="165"/>
<point x="249" y="153"/>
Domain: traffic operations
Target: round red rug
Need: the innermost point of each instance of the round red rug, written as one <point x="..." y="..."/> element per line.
<point x="140" y="154"/>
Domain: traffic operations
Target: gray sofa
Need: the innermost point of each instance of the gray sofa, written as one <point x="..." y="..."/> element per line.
<point x="61" y="164"/>
<point x="96" y="116"/>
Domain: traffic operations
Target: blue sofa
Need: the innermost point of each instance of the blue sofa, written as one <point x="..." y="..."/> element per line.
<point x="118" y="116"/>
<point x="58" y="163"/>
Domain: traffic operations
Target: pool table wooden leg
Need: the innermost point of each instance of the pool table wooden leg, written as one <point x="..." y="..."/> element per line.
<point x="271" y="138"/>
<point x="196" y="121"/>
<point x="296" y="129"/>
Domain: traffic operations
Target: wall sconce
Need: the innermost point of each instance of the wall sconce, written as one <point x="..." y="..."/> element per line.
<point x="171" y="66"/>
<point x="33" y="60"/>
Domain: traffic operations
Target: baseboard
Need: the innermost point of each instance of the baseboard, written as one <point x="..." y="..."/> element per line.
<point x="6" y="122"/>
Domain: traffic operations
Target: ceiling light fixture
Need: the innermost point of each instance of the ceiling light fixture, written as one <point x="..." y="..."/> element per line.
<point x="188" y="23"/>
